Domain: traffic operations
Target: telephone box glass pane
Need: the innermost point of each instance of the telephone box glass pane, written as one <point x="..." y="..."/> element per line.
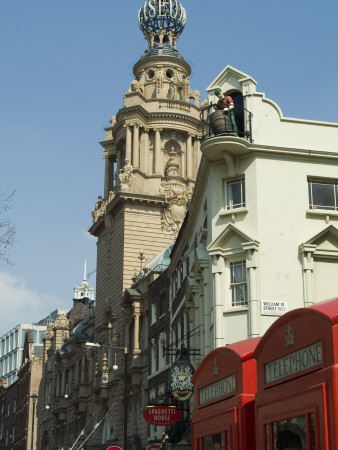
<point x="227" y="437"/>
<point x="312" y="431"/>
<point x="290" y="434"/>
<point x="214" y="442"/>
<point x="266" y="437"/>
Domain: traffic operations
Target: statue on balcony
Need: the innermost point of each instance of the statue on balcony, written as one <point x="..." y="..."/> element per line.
<point x="226" y="104"/>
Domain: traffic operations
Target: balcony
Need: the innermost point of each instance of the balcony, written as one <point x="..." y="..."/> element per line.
<point x="217" y="123"/>
<point x="226" y="134"/>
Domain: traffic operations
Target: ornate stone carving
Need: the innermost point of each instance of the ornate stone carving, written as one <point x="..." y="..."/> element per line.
<point x="100" y="208"/>
<point x="125" y="176"/>
<point x="49" y="333"/>
<point x="174" y="191"/>
<point x="62" y="322"/>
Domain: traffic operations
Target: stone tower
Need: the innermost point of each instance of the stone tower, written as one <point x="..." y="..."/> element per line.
<point x="151" y="153"/>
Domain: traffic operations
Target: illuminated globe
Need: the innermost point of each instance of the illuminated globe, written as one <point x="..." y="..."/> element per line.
<point x="168" y="15"/>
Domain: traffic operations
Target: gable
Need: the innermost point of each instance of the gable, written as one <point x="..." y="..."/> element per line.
<point x="232" y="79"/>
<point x="230" y="240"/>
<point x="325" y="243"/>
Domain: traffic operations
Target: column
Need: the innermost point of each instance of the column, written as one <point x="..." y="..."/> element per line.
<point x="144" y="151"/>
<point x="307" y="251"/>
<point x="119" y="164"/>
<point x="253" y="302"/>
<point x="157" y="155"/>
<point x="207" y="308"/>
<point x="63" y="381"/>
<point x="128" y="143"/>
<point x="218" y="301"/>
<point x="109" y="174"/>
<point x="136" y="145"/>
<point x="189" y="158"/>
<point x="136" y="306"/>
<point x="83" y="368"/>
<point x="197" y="156"/>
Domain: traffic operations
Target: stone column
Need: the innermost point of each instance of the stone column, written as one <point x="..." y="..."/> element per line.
<point x="307" y="252"/>
<point x="218" y="302"/>
<point x="197" y="156"/>
<point x="189" y="158"/>
<point x="128" y="143"/>
<point x="157" y="155"/>
<point x="83" y="368"/>
<point x="136" y="145"/>
<point x="119" y="164"/>
<point x="144" y="151"/>
<point x="136" y="306"/>
<point x="63" y="381"/>
<point x="251" y="249"/>
<point x="207" y="307"/>
<point x="109" y="174"/>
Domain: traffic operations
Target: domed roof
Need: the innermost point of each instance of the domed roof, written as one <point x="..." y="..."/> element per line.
<point x="162" y="50"/>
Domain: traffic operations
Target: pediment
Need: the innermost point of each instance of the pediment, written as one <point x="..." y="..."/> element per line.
<point x="230" y="240"/>
<point x="326" y="240"/>
<point x="231" y="79"/>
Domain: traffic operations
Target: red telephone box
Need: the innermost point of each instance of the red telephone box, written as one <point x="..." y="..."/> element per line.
<point x="297" y="380"/>
<point x="224" y="393"/>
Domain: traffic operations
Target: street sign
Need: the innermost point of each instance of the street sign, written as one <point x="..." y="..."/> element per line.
<point x="161" y="415"/>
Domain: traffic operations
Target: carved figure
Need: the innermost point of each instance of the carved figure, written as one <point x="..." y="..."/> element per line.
<point x="226" y="104"/>
<point x="100" y="208"/>
<point x="125" y="175"/>
<point x="161" y="35"/>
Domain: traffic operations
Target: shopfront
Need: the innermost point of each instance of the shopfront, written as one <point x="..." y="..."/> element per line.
<point x="224" y="393"/>
<point x="297" y="381"/>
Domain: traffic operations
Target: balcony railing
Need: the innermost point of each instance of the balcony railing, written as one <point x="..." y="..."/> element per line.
<point x="219" y="123"/>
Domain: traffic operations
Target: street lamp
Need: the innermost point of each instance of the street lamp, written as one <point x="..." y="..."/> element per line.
<point x="115" y="367"/>
<point x="34" y="398"/>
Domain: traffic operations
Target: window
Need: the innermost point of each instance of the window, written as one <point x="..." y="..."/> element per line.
<point x="238" y="284"/>
<point x="323" y="194"/>
<point x="235" y="193"/>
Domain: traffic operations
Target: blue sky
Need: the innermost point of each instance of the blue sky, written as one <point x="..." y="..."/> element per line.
<point x="64" y="68"/>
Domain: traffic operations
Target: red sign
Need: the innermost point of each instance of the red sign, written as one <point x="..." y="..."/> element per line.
<point x="153" y="447"/>
<point x="161" y="415"/>
<point x="114" y="448"/>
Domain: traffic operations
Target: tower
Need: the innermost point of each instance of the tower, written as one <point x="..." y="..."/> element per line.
<point x="151" y="153"/>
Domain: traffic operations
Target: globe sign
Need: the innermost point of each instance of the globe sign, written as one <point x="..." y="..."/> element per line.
<point x="114" y="448"/>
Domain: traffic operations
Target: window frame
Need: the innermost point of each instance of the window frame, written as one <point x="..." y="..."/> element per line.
<point x="311" y="181"/>
<point x="229" y="205"/>
<point x="233" y="303"/>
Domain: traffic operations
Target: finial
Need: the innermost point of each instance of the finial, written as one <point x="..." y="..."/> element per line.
<point x="162" y="22"/>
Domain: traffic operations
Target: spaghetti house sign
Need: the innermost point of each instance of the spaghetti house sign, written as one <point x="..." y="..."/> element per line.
<point x="161" y="415"/>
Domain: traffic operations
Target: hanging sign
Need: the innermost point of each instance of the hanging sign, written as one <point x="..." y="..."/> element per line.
<point x="161" y="415"/>
<point x="180" y="376"/>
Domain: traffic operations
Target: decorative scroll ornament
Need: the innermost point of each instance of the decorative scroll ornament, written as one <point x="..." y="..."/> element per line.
<point x="180" y="376"/>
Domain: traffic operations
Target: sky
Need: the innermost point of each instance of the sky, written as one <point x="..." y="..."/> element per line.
<point x="65" y="66"/>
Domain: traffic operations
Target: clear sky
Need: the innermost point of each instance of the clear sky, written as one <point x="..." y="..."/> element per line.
<point x="64" y="68"/>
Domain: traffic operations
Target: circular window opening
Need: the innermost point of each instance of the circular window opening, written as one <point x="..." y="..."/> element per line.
<point x="169" y="74"/>
<point x="151" y="74"/>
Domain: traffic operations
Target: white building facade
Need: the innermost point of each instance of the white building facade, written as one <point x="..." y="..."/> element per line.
<point x="261" y="235"/>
